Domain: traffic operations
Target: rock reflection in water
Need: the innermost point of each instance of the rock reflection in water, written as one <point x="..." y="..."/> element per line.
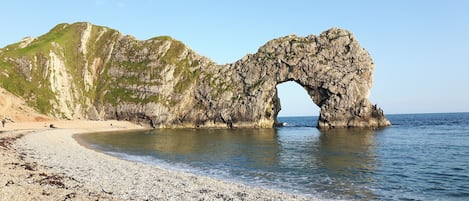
<point x="348" y="158"/>
<point x="253" y="147"/>
<point x="333" y="162"/>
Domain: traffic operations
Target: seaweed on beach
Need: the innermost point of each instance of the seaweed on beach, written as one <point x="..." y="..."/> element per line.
<point x="6" y="142"/>
<point x="70" y="196"/>
<point x="53" y="180"/>
<point x="29" y="166"/>
<point x="26" y="166"/>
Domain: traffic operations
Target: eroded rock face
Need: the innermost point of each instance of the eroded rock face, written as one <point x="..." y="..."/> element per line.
<point x="162" y="82"/>
<point x="335" y="71"/>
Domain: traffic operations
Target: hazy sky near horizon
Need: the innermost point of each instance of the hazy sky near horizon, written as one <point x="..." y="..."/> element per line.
<point x="420" y="48"/>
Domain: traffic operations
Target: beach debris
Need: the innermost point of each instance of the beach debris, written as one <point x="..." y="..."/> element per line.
<point x="6" y="142"/>
<point x="204" y="191"/>
<point x="44" y="192"/>
<point x="223" y="196"/>
<point x="241" y="194"/>
<point x="9" y="182"/>
<point x="29" y="166"/>
<point x="22" y="156"/>
<point x="70" y="196"/>
<point x="102" y="189"/>
<point x="30" y="176"/>
<point x="53" y="180"/>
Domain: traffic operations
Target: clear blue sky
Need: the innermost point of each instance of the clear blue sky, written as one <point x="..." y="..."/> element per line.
<point x="420" y="48"/>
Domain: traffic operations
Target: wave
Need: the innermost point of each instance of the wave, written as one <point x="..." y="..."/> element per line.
<point x="286" y="124"/>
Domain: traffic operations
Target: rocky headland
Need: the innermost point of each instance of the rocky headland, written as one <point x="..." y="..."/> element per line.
<point x="84" y="71"/>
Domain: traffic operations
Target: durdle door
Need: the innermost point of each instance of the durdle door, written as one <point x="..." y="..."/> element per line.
<point x="92" y="72"/>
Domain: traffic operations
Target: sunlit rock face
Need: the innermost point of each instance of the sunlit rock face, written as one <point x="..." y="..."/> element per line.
<point x="92" y="72"/>
<point x="335" y="71"/>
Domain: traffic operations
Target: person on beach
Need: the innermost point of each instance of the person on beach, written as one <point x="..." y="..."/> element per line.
<point x="3" y="122"/>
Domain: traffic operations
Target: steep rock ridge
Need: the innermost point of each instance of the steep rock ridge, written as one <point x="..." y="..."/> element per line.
<point x="87" y="71"/>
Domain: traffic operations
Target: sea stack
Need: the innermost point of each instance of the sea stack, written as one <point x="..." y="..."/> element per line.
<point x="84" y="71"/>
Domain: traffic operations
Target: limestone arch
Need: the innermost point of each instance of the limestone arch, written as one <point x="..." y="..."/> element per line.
<point x="334" y="70"/>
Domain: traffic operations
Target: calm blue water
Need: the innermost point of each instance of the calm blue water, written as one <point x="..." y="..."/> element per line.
<point x="420" y="157"/>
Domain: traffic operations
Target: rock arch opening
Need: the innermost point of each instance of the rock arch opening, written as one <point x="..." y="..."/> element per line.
<point x="295" y="101"/>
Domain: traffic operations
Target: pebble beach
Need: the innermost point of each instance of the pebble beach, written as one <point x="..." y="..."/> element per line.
<point x="43" y="163"/>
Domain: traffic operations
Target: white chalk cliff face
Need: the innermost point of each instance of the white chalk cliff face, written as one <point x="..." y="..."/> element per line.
<point x="98" y="73"/>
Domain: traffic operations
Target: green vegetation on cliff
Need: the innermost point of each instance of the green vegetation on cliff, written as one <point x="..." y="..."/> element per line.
<point x="28" y="69"/>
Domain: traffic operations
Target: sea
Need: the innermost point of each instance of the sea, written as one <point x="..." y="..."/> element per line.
<point x="419" y="157"/>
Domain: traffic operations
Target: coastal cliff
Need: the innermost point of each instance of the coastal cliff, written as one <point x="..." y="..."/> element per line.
<point x="84" y="71"/>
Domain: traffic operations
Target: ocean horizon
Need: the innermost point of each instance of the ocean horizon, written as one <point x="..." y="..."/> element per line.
<point x="384" y="114"/>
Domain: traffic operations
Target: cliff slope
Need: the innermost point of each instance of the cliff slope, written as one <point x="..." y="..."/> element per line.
<point x="83" y="71"/>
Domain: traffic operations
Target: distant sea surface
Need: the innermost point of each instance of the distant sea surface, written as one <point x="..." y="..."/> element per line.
<point x="420" y="157"/>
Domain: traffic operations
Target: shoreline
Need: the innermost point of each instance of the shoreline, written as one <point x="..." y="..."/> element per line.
<point x="50" y="164"/>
